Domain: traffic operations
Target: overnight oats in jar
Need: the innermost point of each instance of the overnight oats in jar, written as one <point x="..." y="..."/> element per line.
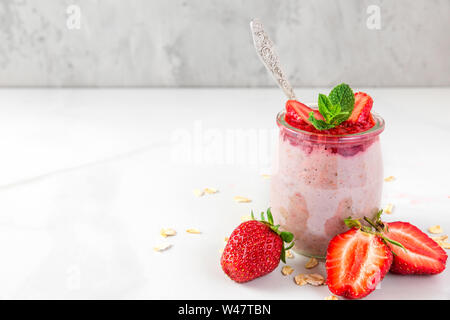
<point x="325" y="170"/>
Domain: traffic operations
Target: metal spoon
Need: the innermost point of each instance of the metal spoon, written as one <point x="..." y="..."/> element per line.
<point x="265" y="50"/>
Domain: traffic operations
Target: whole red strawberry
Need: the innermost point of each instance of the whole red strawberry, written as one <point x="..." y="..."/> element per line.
<point x="254" y="249"/>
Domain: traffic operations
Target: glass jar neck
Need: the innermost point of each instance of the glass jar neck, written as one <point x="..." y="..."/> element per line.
<point x="299" y="134"/>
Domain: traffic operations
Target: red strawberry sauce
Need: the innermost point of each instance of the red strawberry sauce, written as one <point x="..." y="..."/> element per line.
<point x="346" y="127"/>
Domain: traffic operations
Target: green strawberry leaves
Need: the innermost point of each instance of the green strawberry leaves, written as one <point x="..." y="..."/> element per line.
<point x="352" y="223"/>
<point x="269" y="216"/>
<point x="335" y="108"/>
<point x="286" y="236"/>
<point x="375" y="226"/>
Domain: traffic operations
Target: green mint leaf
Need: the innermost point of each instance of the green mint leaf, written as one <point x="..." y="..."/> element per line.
<point x="343" y="95"/>
<point x="326" y="108"/>
<point x="338" y="118"/>
<point x="319" y="124"/>
<point x="335" y="108"/>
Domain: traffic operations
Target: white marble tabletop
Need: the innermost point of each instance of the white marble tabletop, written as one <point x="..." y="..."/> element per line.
<point x="89" y="177"/>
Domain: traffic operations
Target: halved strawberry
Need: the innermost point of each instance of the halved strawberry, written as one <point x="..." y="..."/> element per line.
<point x="356" y="262"/>
<point x="301" y="110"/>
<point x="361" y="110"/>
<point x="422" y="256"/>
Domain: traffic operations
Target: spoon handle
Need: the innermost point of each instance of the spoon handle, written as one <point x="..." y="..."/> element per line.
<point x="265" y="50"/>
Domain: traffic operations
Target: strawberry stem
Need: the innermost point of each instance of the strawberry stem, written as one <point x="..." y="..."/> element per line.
<point x="380" y="229"/>
<point x="352" y="223"/>
<point x="374" y="225"/>
<point x="394" y="243"/>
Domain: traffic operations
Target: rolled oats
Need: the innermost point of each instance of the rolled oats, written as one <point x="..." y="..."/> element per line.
<point x="286" y="270"/>
<point x="388" y="209"/>
<point x="315" y="279"/>
<point x="167" y="232"/>
<point x="300" y="279"/>
<point x="311" y="263"/>
<point x="240" y="199"/>
<point x="435" y="229"/>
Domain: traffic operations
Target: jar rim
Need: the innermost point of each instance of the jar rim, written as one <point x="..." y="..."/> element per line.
<point x="351" y="137"/>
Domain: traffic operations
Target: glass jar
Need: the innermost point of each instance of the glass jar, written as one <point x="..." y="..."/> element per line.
<point x="318" y="180"/>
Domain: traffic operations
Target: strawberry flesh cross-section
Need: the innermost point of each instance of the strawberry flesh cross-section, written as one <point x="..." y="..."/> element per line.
<point x="356" y="262"/>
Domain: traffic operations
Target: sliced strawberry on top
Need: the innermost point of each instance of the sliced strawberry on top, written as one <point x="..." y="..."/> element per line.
<point x="356" y="262"/>
<point x="361" y="110"/>
<point x="292" y="117"/>
<point x="301" y="110"/>
<point x="422" y="256"/>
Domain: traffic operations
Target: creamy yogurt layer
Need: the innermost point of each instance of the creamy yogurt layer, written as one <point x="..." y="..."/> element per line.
<point x="315" y="187"/>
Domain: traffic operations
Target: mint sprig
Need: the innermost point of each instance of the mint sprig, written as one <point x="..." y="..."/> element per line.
<point x="335" y="108"/>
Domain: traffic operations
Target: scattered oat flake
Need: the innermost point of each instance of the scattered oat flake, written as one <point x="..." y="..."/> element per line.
<point x="311" y="263"/>
<point x="193" y="230"/>
<point x="167" y="232"/>
<point x="440" y="238"/>
<point x="289" y="254"/>
<point x="331" y="298"/>
<point x="435" y="229"/>
<point x="162" y="247"/>
<point x="315" y="279"/>
<point x="286" y="270"/>
<point x="241" y="199"/>
<point x="443" y="244"/>
<point x="220" y="251"/>
<point x="390" y="178"/>
<point x="300" y="279"/>
<point x="226" y="239"/>
<point x="211" y="190"/>
<point x="199" y="192"/>
<point x="388" y="209"/>
<point x="246" y="218"/>
<point x="266" y="176"/>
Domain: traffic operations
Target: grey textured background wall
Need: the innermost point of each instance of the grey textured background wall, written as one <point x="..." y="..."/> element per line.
<point x="208" y="43"/>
